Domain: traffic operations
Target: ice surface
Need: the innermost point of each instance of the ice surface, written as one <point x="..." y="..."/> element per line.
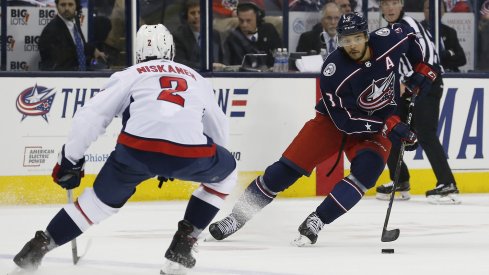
<point x="435" y="239"/>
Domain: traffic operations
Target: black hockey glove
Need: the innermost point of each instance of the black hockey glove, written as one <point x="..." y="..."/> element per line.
<point x="421" y="80"/>
<point x="67" y="174"/>
<point x="162" y="180"/>
<point x="398" y="131"/>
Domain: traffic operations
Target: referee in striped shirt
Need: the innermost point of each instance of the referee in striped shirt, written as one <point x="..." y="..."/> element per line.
<point x="425" y="117"/>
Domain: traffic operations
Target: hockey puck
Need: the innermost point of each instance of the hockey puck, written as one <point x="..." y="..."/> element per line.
<point x="387" y="250"/>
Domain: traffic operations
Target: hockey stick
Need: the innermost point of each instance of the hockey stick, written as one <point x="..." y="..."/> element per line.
<point x="393" y="234"/>
<point x="74" y="247"/>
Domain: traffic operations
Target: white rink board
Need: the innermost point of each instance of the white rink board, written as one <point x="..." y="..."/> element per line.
<point x="273" y="112"/>
<point x="465" y="137"/>
<point x="265" y="115"/>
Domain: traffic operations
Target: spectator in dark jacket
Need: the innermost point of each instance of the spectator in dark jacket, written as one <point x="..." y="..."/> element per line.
<point x="323" y="34"/>
<point x="62" y="45"/>
<point x="187" y="39"/>
<point x="252" y="35"/>
<point x="451" y="53"/>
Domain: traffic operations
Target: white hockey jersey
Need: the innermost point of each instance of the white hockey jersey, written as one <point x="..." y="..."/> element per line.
<point x="165" y="106"/>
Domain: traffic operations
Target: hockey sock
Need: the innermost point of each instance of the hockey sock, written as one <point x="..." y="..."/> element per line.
<point x="343" y="197"/>
<point x="203" y="207"/>
<point x="62" y="228"/>
<point x="366" y="168"/>
<point x="255" y="198"/>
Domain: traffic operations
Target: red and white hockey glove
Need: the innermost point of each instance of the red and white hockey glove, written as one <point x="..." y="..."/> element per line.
<point x="67" y="174"/>
<point x="398" y="131"/>
<point x="421" y="80"/>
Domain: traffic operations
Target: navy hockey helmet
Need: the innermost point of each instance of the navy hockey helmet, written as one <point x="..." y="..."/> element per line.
<point x="351" y="23"/>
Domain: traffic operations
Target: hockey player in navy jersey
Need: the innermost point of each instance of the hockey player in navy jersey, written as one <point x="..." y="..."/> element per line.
<point x="360" y="92"/>
<point x="172" y="128"/>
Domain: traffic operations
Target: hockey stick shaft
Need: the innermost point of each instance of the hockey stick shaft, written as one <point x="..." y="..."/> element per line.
<point x="74" y="247"/>
<point x="392" y="235"/>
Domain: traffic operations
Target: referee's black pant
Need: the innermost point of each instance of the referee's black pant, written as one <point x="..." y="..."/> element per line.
<point x="425" y="123"/>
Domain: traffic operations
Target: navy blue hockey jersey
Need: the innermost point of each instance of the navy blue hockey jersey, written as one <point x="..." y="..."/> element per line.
<point x="359" y="96"/>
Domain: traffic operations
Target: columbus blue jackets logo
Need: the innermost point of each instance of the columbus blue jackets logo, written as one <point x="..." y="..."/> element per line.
<point x="383" y="32"/>
<point x="329" y="69"/>
<point x="378" y="95"/>
<point x="35" y="101"/>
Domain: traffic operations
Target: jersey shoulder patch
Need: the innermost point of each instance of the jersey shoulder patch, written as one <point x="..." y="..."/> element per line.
<point x="383" y="32"/>
<point x="329" y="70"/>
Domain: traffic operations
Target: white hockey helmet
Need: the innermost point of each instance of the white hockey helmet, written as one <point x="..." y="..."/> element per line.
<point x="154" y="42"/>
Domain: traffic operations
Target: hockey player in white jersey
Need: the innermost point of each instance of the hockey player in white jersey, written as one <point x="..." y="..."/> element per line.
<point x="172" y="128"/>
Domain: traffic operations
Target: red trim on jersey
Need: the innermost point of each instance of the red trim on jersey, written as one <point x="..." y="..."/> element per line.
<point x="214" y="192"/>
<point x="77" y="205"/>
<point x="167" y="147"/>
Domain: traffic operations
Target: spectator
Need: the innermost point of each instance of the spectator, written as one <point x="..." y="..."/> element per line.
<point x="62" y="45"/>
<point x="252" y="35"/>
<point x="345" y="6"/>
<point x="451" y="53"/>
<point x="323" y="34"/>
<point x="483" y="47"/>
<point x="187" y="39"/>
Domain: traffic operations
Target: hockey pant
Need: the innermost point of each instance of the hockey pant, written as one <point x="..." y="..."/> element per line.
<point x="126" y="168"/>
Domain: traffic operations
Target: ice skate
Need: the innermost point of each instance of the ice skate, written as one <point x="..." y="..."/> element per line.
<point x="225" y="227"/>
<point x="402" y="191"/>
<point x="309" y="230"/>
<point x="31" y="255"/>
<point x="179" y="256"/>
<point x="444" y="194"/>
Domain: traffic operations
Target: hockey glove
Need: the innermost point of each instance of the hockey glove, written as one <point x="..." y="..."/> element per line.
<point x="67" y="174"/>
<point x="398" y="131"/>
<point x="162" y="180"/>
<point x="421" y="80"/>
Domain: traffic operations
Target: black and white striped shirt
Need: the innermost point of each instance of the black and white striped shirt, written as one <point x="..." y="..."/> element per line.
<point x="430" y="56"/>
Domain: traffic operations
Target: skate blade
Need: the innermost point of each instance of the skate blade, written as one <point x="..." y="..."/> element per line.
<point x="399" y="196"/>
<point x="170" y="267"/>
<point x="301" y="241"/>
<point x="209" y="238"/>
<point x="450" y="199"/>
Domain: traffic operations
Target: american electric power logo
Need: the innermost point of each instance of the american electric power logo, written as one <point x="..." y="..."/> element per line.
<point x="35" y="101"/>
<point x="232" y="101"/>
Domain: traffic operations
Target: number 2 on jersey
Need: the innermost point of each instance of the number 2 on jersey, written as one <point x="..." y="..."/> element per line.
<point x="169" y="93"/>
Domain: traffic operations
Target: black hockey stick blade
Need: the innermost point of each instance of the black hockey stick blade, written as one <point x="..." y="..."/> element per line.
<point x="390" y="235"/>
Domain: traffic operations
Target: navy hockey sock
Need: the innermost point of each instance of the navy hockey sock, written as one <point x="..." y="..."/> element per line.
<point x="200" y="213"/>
<point x="255" y="198"/>
<point x="62" y="228"/>
<point x="343" y="197"/>
<point x="366" y="168"/>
